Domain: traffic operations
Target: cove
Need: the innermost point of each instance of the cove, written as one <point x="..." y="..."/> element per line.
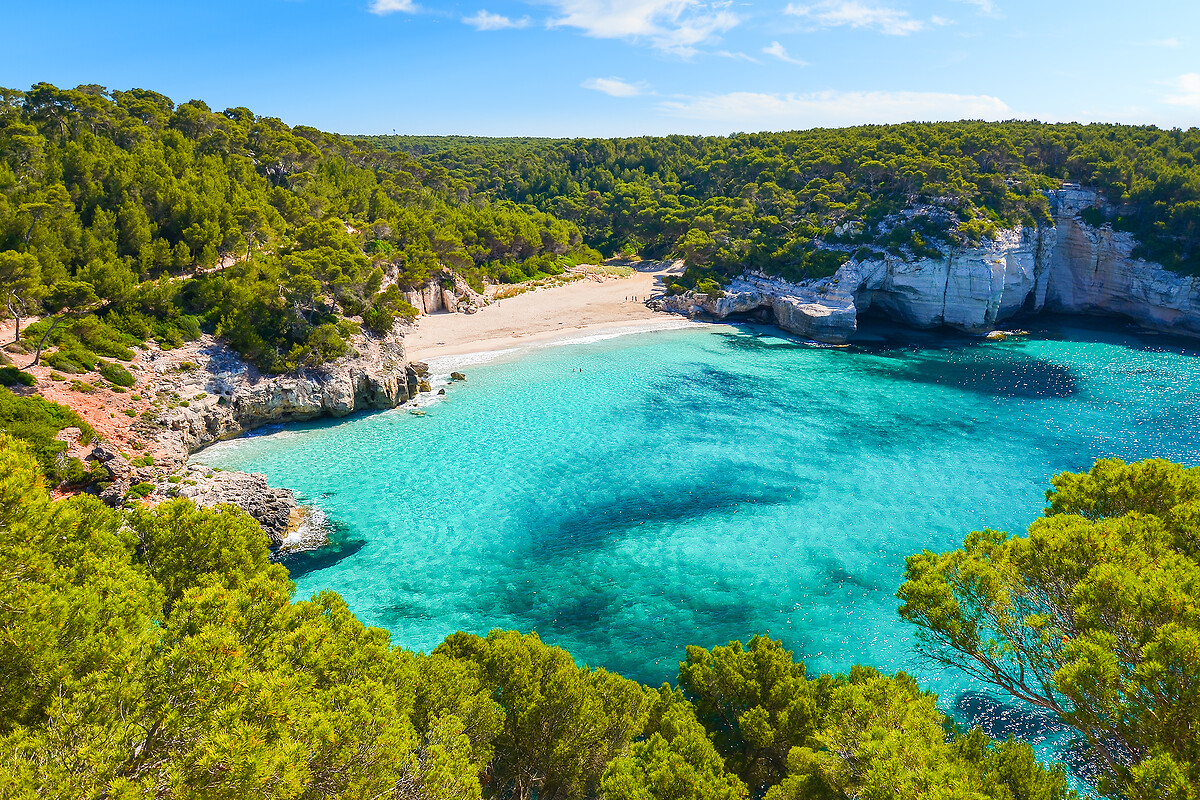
<point x="627" y="497"/>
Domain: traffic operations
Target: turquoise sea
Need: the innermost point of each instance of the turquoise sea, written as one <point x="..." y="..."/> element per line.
<point x="627" y="497"/>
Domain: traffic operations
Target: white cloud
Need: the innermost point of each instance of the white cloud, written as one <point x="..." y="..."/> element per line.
<point x="1188" y="87"/>
<point x="382" y="7"/>
<point x="1171" y="42"/>
<point x="835" y="13"/>
<point x="986" y="7"/>
<point x="615" y="87"/>
<point x="738" y="56"/>
<point x="758" y="111"/>
<point x="673" y="25"/>
<point x="780" y="52"/>
<point x="487" y="21"/>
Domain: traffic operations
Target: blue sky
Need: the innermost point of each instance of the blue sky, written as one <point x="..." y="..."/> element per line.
<point x="626" y="67"/>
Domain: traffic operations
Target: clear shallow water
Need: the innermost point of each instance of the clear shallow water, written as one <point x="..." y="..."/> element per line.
<point x="705" y="484"/>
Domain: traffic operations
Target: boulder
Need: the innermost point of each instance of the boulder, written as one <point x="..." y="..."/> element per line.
<point x="120" y="473"/>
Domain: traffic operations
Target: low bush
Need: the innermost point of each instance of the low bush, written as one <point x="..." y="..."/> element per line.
<point x="11" y="376"/>
<point x="139" y="490"/>
<point x="115" y="373"/>
<point x="36" y="421"/>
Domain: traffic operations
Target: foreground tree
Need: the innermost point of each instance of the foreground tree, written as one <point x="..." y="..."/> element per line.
<point x="562" y="724"/>
<point x="862" y="735"/>
<point x="1094" y="616"/>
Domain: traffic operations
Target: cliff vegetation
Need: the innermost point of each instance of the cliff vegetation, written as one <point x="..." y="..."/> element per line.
<point x="800" y="203"/>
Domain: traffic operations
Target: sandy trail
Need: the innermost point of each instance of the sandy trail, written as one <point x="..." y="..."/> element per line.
<point x="593" y="304"/>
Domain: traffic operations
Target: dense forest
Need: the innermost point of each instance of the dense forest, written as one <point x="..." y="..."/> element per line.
<point x="799" y="204"/>
<point x="125" y="217"/>
<point x="159" y="652"/>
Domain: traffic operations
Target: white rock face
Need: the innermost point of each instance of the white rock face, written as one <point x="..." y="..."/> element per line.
<point x="226" y="396"/>
<point x="970" y="289"/>
<point x="433" y="297"/>
<point x="1068" y="267"/>
<point x="816" y="311"/>
<point x="1093" y="271"/>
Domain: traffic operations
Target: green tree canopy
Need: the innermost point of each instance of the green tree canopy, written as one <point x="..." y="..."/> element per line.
<point x="1092" y="615"/>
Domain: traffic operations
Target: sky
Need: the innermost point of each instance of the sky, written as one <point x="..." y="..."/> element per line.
<point x="625" y="67"/>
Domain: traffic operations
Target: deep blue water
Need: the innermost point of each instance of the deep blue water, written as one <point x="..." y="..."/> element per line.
<point x="705" y="484"/>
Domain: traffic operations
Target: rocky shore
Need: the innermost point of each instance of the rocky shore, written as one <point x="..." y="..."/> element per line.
<point x="203" y="392"/>
<point x="1069" y="266"/>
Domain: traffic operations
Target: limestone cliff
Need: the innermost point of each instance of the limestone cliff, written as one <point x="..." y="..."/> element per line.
<point x="212" y="394"/>
<point x="204" y="392"/>
<point x="447" y="292"/>
<point x="1067" y="266"/>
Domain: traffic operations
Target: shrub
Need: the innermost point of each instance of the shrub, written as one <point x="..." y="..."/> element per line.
<point x="115" y="373"/>
<point x="1093" y="216"/>
<point x="139" y="490"/>
<point x="74" y="473"/>
<point x="72" y="360"/>
<point x="82" y="386"/>
<point x="11" y="376"/>
<point x="37" y="421"/>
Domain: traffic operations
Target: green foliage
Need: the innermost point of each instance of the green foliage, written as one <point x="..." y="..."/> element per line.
<point x="11" y="376"/>
<point x="159" y="652"/>
<point x="674" y="761"/>
<point x="757" y="702"/>
<point x="115" y="373"/>
<point x="155" y="219"/>
<point x="212" y="685"/>
<point x="865" y="735"/>
<point x="183" y="546"/>
<point x="1092" y="616"/>
<point x="562" y="724"/>
<point x="765" y="200"/>
<point x="36" y="421"/>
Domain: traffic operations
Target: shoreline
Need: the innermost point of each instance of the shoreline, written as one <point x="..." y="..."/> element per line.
<point x="594" y="305"/>
<point x="480" y="351"/>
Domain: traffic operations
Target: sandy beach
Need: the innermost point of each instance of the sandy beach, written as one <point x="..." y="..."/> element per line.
<point x="593" y="304"/>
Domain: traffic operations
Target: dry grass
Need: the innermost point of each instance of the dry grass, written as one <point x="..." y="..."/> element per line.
<point x="604" y="270"/>
<point x="513" y="289"/>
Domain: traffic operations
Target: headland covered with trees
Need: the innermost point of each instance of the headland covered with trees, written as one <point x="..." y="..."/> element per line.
<point x="799" y="204"/>
<point x="158" y="651"/>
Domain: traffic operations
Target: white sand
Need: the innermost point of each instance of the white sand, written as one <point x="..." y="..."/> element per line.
<point x="592" y="305"/>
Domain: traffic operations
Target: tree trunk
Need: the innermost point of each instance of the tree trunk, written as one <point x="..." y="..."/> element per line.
<point x="37" y="356"/>
<point x="15" y="309"/>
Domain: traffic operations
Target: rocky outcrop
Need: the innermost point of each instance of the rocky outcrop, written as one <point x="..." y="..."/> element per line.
<point x="119" y="470"/>
<point x="275" y="509"/>
<point x="211" y="394"/>
<point x="815" y="311"/>
<point x="1092" y="271"/>
<point x="1068" y="266"/>
<point x="448" y="292"/>
<point x="204" y="392"/>
<point x="970" y="289"/>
